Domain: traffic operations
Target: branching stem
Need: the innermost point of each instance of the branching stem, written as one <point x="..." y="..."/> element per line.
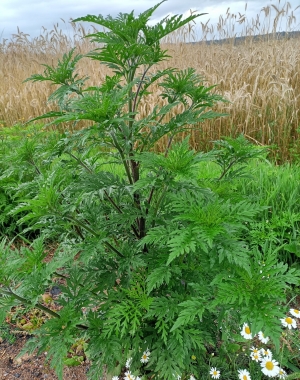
<point x="25" y="301"/>
<point x="94" y="233"/>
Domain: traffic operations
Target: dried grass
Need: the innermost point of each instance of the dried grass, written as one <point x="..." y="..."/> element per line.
<point x="260" y="78"/>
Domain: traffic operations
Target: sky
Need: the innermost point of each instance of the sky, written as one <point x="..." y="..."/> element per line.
<point x="31" y="16"/>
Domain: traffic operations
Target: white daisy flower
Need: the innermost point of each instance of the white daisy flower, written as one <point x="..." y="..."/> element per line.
<point x="145" y="357"/>
<point x="289" y="322"/>
<point x="192" y="377"/>
<point x="214" y="373"/>
<point x="115" y="378"/>
<point x="262" y="338"/>
<point x="266" y="352"/>
<point x="129" y="376"/>
<point x="246" y="332"/>
<point x="295" y="313"/>
<point x="270" y="367"/>
<point x="254" y="350"/>
<point x="244" y="374"/>
<point x="255" y="356"/>
<point x="282" y="374"/>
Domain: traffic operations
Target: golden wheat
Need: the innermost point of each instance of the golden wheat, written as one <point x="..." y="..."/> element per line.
<point x="260" y="78"/>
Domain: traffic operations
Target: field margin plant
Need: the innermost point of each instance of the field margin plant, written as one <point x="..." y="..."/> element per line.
<point x="149" y="259"/>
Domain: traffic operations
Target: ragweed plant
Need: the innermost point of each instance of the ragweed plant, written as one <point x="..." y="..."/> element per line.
<point x="150" y="261"/>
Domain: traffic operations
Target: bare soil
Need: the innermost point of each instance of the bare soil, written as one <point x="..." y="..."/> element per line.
<point x="32" y="367"/>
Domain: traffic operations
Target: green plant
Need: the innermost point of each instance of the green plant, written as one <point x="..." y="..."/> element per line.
<point x="25" y="156"/>
<point x="6" y="335"/>
<point x="235" y="153"/>
<point x="150" y="261"/>
<point x="275" y="187"/>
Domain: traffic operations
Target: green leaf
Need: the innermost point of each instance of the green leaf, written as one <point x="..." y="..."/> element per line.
<point x="73" y="361"/>
<point x="158" y="277"/>
<point x="183" y="242"/>
<point x="63" y="74"/>
<point x="193" y="308"/>
<point x="293" y="247"/>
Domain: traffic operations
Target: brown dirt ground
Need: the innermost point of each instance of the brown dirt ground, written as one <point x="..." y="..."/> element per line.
<point x="32" y="367"/>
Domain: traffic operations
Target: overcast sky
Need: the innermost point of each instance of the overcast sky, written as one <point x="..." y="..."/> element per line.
<point x="31" y="15"/>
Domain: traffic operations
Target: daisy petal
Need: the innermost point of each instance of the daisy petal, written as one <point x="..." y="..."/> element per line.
<point x="246" y="332"/>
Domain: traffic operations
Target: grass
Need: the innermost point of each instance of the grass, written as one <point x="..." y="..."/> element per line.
<point x="273" y="186"/>
<point x="259" y="77"/>
<point x="276" y="186"/>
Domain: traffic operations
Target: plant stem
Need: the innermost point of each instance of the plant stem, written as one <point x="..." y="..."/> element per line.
<point x="78" y="222"/>
<point x="166" y="154"/>
<point x="225" y="170"/>
<point x="105" y="192"/>
<point x="24" y="300"/>
<point x="116" y="144"/>
<point x="139" y="88"/>
<point x="31" y="162"/>
<point x="81" y="162"/>
<point x="164" y="190"/>
<point x="121" y="212"/>
<point x="39" y="306"/>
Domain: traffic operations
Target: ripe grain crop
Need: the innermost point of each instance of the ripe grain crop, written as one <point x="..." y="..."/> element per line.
<point x="259" y="74"/>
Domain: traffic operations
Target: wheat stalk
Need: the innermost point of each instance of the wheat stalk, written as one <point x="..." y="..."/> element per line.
<point x="261" y="107"/>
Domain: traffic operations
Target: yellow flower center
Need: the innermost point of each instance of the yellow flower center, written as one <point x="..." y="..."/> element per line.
<point x="296" y="311"/>
<point x="289" y="320"/>
<point x="193" y="357"/>
<point x="247" y="330"/>
<point x="144" y="356"/>
<point x="245" y="377"/>
<point x="215" y="373"/>
<point x="269" y="366"/>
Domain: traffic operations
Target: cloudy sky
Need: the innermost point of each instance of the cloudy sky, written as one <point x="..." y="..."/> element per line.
<point x="31" y="15"/>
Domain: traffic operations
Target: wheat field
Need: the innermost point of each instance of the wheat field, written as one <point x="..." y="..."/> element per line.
<point x="260" y="77"/>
